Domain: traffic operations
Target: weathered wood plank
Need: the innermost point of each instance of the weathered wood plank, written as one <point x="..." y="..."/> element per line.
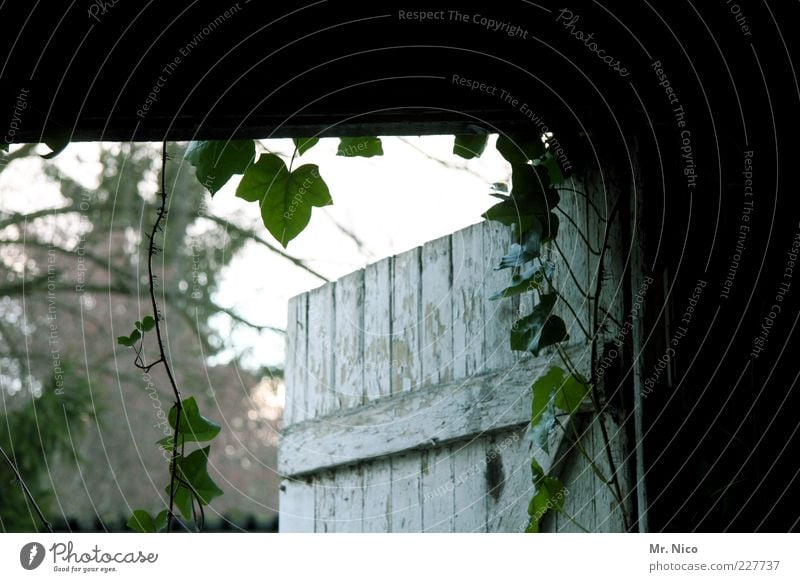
<point x="349" y="499"/>
<point x="325" y="497"/>
<point x="438" y="500"/>
<point x="508" y="482"/>
<point x="499" y="316"/>
<point x="436" y="352"/>
<point x="297" y="381"/>
<point x="377" y="496"/>
<point x="377" y="329"/>
<point x="469" y="271"/>
<point x="469" y="480"/>
<point x="406" y="493"/>
<point x="406" y="320"/>
<point x="321" y="338"/>
<point x="290" y="367"/>
<point x="454" y="411"/>
<point x="349" y="352"/>
<point x="296" y="506"/>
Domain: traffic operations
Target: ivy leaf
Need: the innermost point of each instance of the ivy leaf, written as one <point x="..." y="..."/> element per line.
<point x="135" y="336"/>
<point x="216" y="162"/>
<point x="148" y="323"/>
<point x="532" y="184"/>
<point x="543" y="411"/>
<point x="549" y="493"/>
<point x="124" y="340"/>
<point x="513" y="212"/>
<point x="142" y="522"/>
<point x="166" y="442"/>
<point x="160" y="521"/>
<point x="470" y="146"/>
<point x="285" y="199"/>
<point x="193" y="469"/>
<point x="194" y="427"/>
<point x="531" y="247"/>
<point x="539" y="329"/>
<point x="365" y="147"/>
<point x="518" y="149"/>
<point x="549" y="162"/>
<point x="303" y="144"/>
<point x="531" y="279"/>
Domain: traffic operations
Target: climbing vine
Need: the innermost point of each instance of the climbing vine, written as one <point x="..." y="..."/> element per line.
<point x="286" y="195"/>
<point x="558" y="395"/>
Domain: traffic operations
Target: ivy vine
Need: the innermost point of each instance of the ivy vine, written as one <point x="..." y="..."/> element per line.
<point x="287" y="195"/>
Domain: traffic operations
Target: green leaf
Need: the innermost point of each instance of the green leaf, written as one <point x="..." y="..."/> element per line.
<point x="142" y="522"/>
<point x="124" y="340"/>
<point x="160" y="521"/>
<point x="286" y="199"/>
<point x="303" y="144"/>
<point x="513" y="212"/>
<point x="532" y="184"/>
<point x="193" y="469"/>
<point x="554" y="390"/>
<point x="3" y="147"/>
<point x="549" y="494"/>
<point x="365" y="147"/>
<point x="539" y="329"/>
<point x="216" y="162"/>
<point x="549" y="162"/>
<point x="138" y="325"/>
<point x="531" y="247"/>
<point x="518" y="149"/>
<point x="194" y="427"/>
<point x="470" y="146"/>
<point x="166" y="442"/>
<point x="148" y="323"/>
<point x="532" y="278"/>
<point x="543" y="413"/>
<point x="135" y="336"/>
<point x="57" y="144"/>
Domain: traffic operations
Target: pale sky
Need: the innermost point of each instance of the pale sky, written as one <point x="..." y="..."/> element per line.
<point x="393" y="203"/>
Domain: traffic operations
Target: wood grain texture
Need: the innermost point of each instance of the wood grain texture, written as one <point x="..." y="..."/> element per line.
<point x="406" y="493"/>
<point x="469" y="481"/>
<point x="325" y="493"/>
<point x="468" y="298"/>
<point x="436" y="350"/>
<point x="499" y="316"/>
<point x="417" y="420"/>
<point x="406" y="322"/>
<point x="349" y="499"/>
<point x="321" y="339"/>
<point x="348" y="385"/>
<point x="377" y="498"/>
<point x="297" y="350"/>
<point x="378" y="329"/>
<point x="508" y="482"/>
<point x="438" y="498"/>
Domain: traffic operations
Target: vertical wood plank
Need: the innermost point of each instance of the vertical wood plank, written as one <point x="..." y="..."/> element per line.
<point x="469" y="478"/>
<point x="377" y="496"/>
<point x="406" y="333"/>
<point x="438" y="506"/>
<point x="349" y="499"/>
<point x="321" y="339"/>
<point x="377" y="329"/>
<point x="297" y="383"/>
<point x="437" y="313"/>
<point x="469" y="271"/>
<point x="406" y="498"/>
<point x="296" y="506"/>
<point x="499" y="316"/>
<point x="290" y="363"/>
<point x="508" y="480"/>
<point x="349" y="350"/>
<point x="325" y="497"/>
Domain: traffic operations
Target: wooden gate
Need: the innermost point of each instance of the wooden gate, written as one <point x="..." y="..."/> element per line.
<point x="406" y="410"/>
